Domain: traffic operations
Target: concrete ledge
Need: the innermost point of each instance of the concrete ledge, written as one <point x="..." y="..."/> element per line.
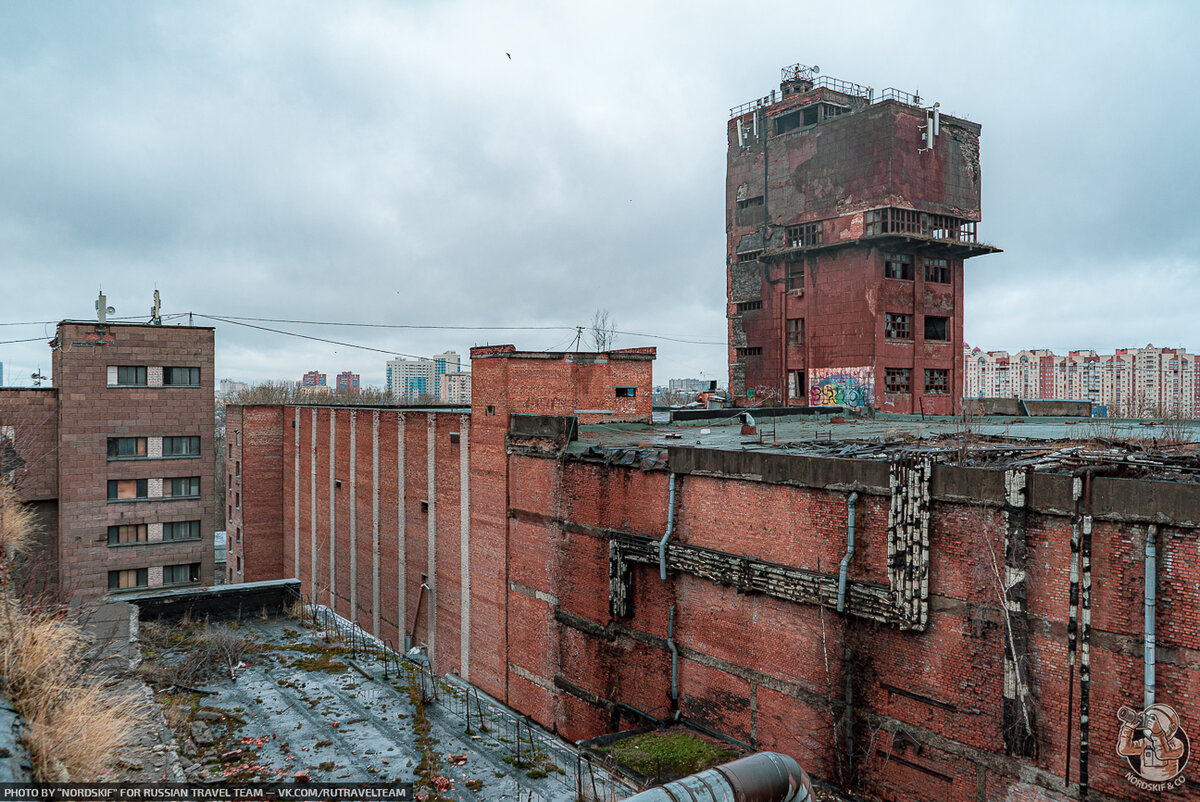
<point x="219" y="601"/>
<point x="759" y="413"/>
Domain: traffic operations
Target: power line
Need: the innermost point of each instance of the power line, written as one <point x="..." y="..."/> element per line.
<point x="307" y="336"/>
<point x="26" y="340"/>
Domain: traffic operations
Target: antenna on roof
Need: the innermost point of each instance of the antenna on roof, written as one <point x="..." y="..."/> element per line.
<point x="102" y="309"/>
<point x="156" y="311"/>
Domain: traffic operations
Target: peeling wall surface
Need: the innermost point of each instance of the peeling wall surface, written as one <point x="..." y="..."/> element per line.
<point x="946" y="675"/>
<point x="808" y="177"/>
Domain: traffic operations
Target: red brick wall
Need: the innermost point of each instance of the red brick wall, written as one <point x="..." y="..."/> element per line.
<point x="254" y="435"/>
<point x="29" y="439"/>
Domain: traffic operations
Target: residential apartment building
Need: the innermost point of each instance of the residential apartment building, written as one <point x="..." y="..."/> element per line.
<point x="117" y="458"/>
<point x="849" y="216"/>
<point x="422" y="379"/>
<point x="313" y="379"/>
<point x="348" y="382"/>
<point x="1131" y="382"/>
<point x="455" y="388"/>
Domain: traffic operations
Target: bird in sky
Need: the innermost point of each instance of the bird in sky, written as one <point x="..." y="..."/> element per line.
<point x="509" y="56"/>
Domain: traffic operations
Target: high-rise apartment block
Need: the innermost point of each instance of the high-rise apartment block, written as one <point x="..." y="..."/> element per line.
<point x="849" y="214"/>
<point x="424" y="379"/>
<point x="117" y="458"/>
<point x="348" y="382"/>
<point x="313" y="379"/>
<point x="1132" y="382"/>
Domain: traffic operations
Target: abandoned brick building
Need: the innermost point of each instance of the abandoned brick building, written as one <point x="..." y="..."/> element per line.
<point x="849" y="214"/>
<point x="116" y="458"/>
<point x="913" y="627"/>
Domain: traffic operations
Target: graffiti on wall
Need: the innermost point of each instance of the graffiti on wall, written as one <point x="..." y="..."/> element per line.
<point x="841" y="387"/>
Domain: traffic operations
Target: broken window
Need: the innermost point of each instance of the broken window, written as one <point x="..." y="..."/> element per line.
<point x="873" y="222"/>
<point x="181" y="487"/>
<point x="898" y="265"/>
<point x="937" y="382"/>
<point x="131" y="376"/>
<point x="749" y="256"/>
<point x="122" y="489"/>
<point x="806" y="234"/>
<point x="897" y="380"/>
<point x="130" y="578"/>
<point x="126" y="533"/>
<point x="752" y="350"/>
<point x="750" y="203"/>
<point x="628" y="392"/>
<point x="181" y="377"/>
<point x="181" y="446"/>
<point x="126" y="447"/>
<point x="795" y="331"/>
<point x="937" y="328"/>
<point x="795" y="275"/>
<point x="181" y="574"/>
<point x="181" y="530"/>
<point x="897" y="326"/>
<point x="787" y="122"/>
<point x="796" y="387"/>
<point x="810" y="114"/>
<point x="748" y="306"/>
<point x="937" y="271"/>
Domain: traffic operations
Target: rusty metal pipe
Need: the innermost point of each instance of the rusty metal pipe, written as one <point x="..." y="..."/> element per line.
<point x="761" y="777"/>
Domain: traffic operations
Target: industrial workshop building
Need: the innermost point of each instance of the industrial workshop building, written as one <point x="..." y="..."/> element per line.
<point x="912" y="618"/>
<point x="116" y="458"/>
<point x="849" y="214"/>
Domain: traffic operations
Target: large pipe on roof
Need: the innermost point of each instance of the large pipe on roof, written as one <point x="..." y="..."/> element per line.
<point x="761" y="777"/>
<point x="845" y="567"/>
<point x="662" y="544"/>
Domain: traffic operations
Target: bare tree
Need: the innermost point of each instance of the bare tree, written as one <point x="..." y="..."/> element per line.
<point x="602" y="333"/>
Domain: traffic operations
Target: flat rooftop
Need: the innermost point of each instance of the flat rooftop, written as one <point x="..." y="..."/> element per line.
<point x="1164" y="450"/>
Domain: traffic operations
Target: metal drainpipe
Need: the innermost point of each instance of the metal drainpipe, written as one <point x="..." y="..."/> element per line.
<point x="845" y="568"/>
<point x="662" y="544"/>
<point x="1151" y="588"/>
<point x="674" y="655"/>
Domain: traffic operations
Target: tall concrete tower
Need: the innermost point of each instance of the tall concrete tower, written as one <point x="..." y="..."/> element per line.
<point x="849" y="214"/>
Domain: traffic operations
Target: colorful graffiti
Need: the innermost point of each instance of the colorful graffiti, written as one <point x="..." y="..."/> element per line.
<point x="841" y="387"/>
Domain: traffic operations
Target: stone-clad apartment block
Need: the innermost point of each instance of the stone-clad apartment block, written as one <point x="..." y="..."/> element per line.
<point x="118" y="459"/>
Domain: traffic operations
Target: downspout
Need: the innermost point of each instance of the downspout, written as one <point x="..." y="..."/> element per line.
<point x="662" y="544"/>
<point x="674" y="657"/>
<point x="845" y="567"/>
<point x="1151" y="583"/>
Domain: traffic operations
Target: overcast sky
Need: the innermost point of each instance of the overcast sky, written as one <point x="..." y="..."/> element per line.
<point x="390" y="163"/>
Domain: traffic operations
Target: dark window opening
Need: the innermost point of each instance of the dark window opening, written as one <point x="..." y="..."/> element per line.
<point x="749" y="203"/>
<point x="787" y="122"/>
<point x="796" y="386"/>
<point x="131" y="578"/>
<point x="626" y="392"/>
<point x="897" y="380"/>
<point x="122" y="489"/>
<point x="491" y="410"/>
<point x="181" y="574"/>
<point x="753" y="350"/>
<point x="454" y="438"/>
<point x="810" y="114"/>
<point x="181" y="377"/>
<point x="749" y="256"/>
<point x="937" y="271"/>
<point x="181" y="530"/>
<point x="937" y="328"/>
<point x="126" y="447"/>
<point x="898" y="265"/>
<point x="749" y="306"/>
<point x="937" y="382"/>
<point x="424" y="506"/>
<point x="795" y="279"/>
<point x="126" y="533"/>
<point x="806" y="234"/>
<point x="131" y="376"/>
<point x="181" y="446"/>
<point x="181" y="487"/>
<point x="898" y="327"/>
<point x="795" y="331"/>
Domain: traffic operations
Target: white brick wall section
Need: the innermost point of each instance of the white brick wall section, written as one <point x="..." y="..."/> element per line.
<point x="154" y="376"/>
<point x="112" y="375"/>
<point x="154" y="575"/>
<point x="154" y="488"/>
<point x="154" y="447"/>
<point x="154" y="532"/>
